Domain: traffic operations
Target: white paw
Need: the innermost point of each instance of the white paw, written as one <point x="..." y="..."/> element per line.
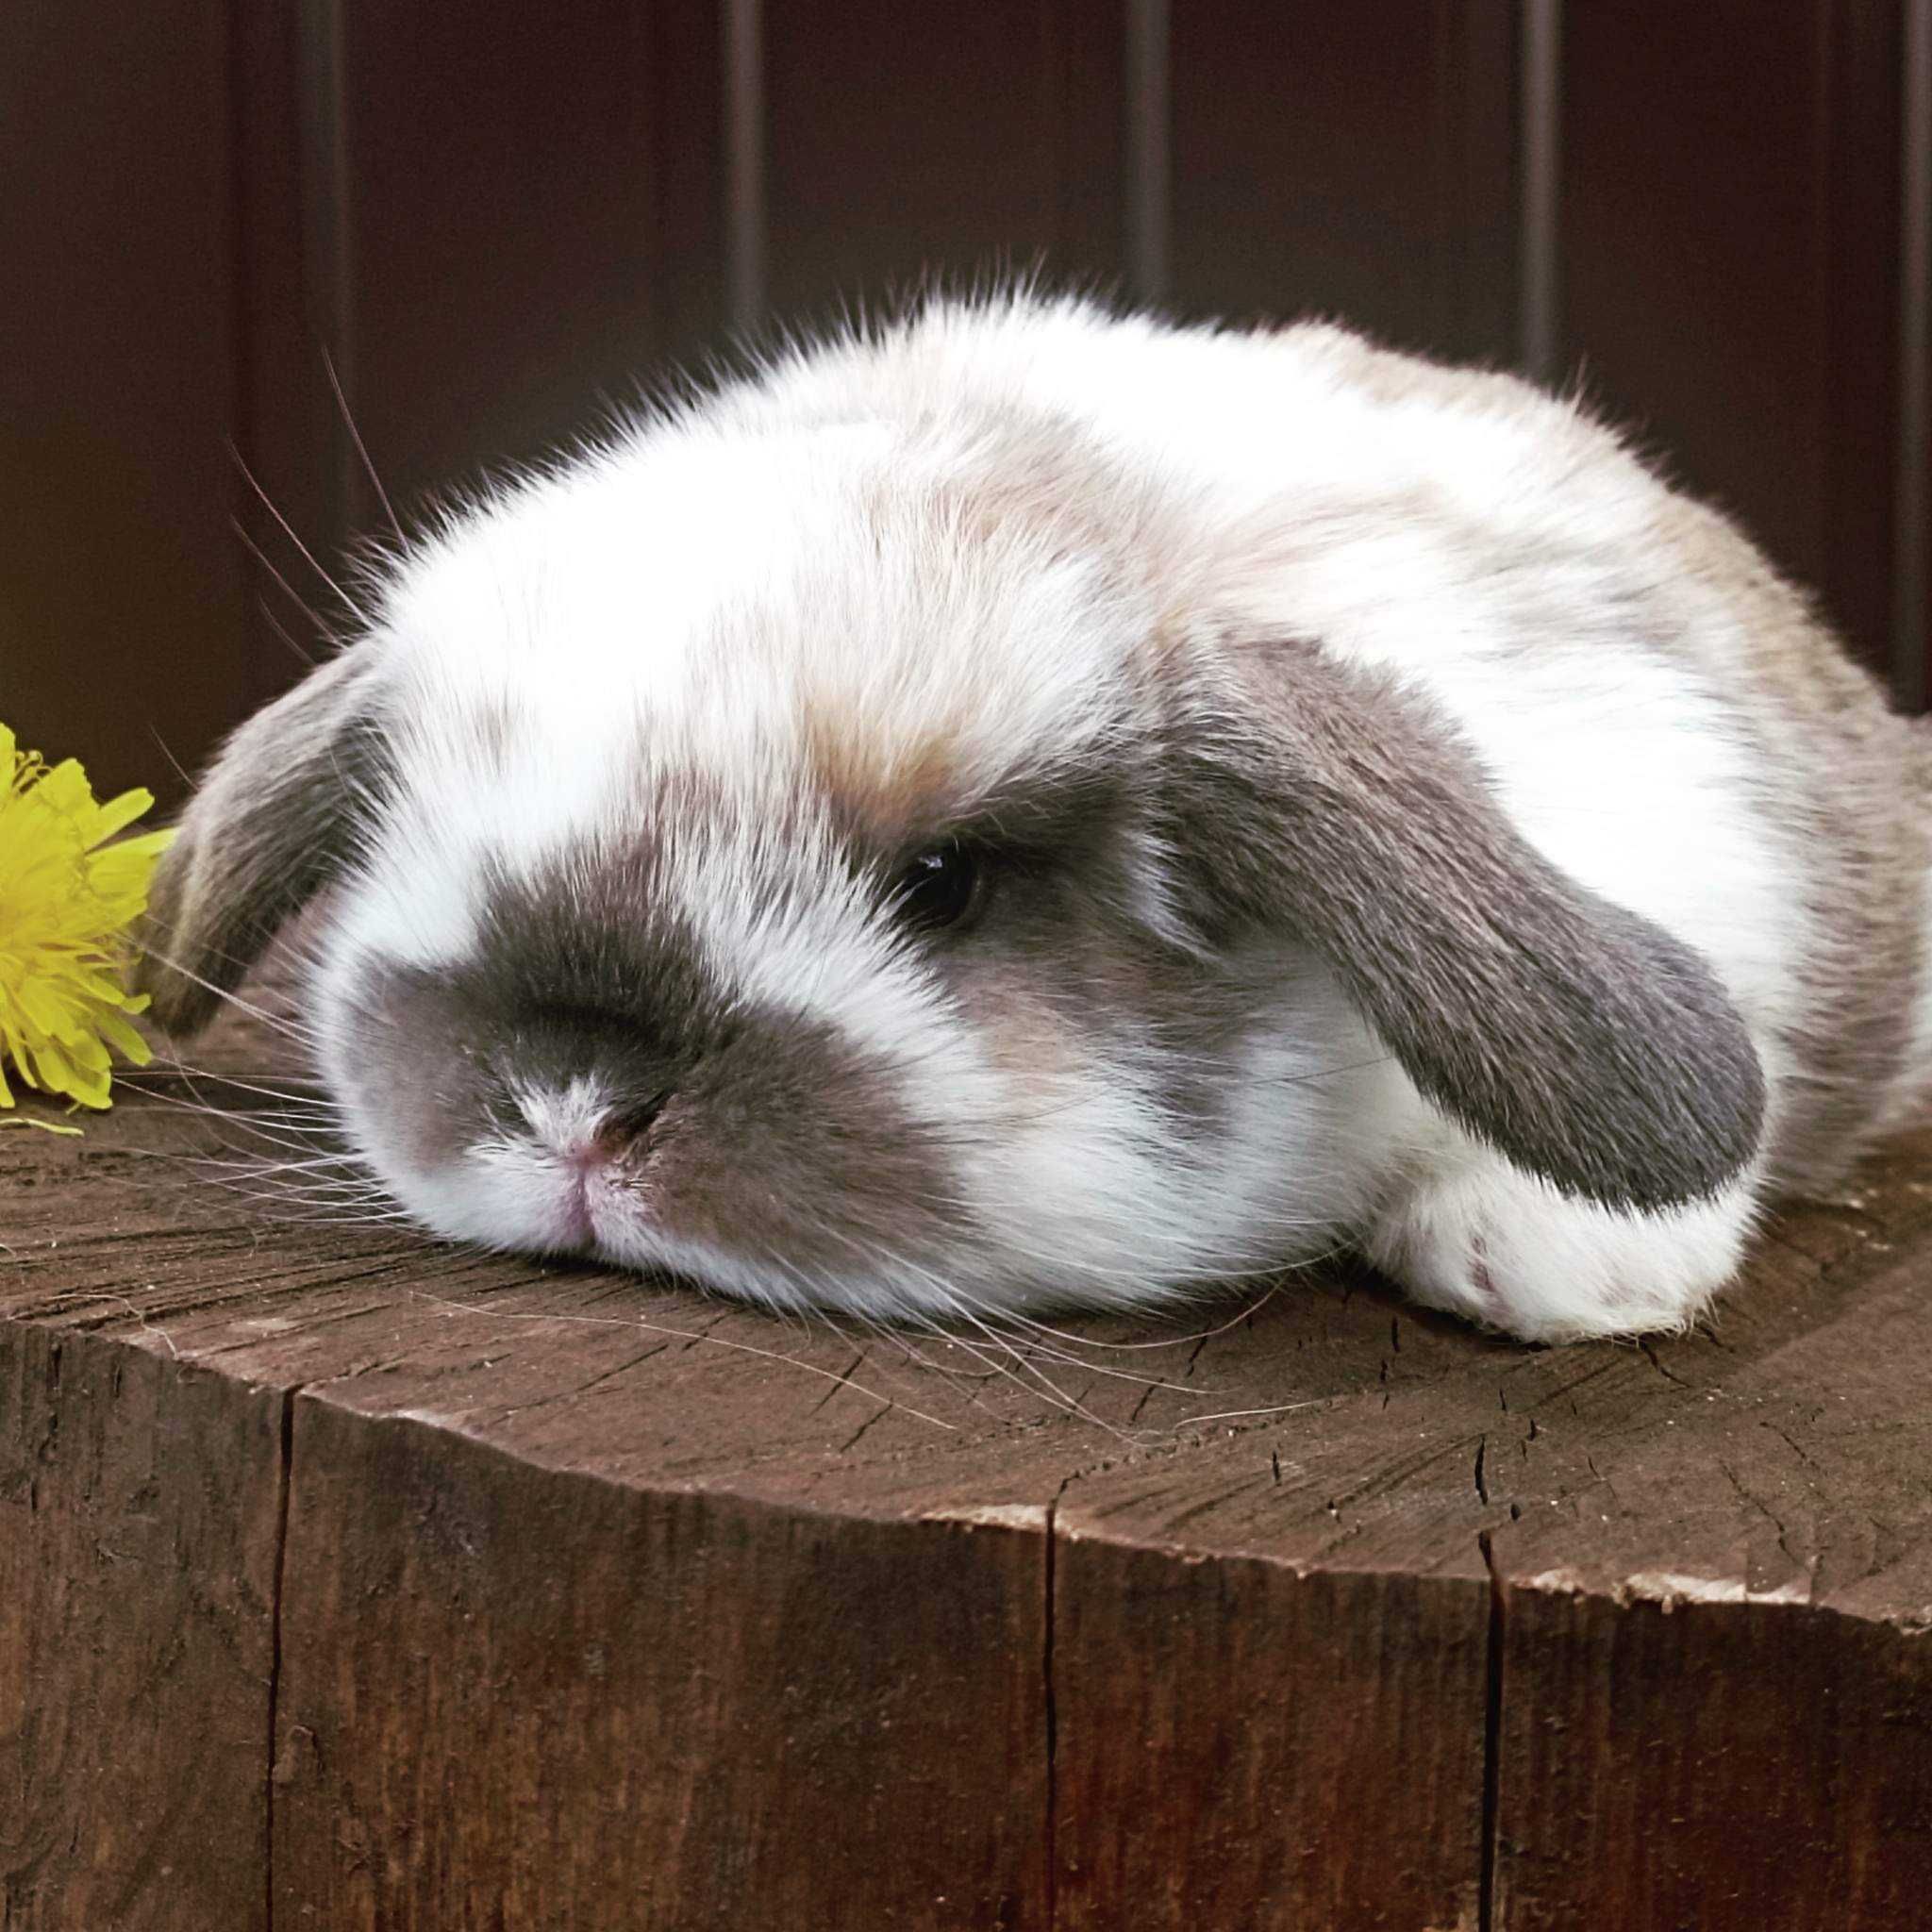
<point x="1508" y="1250"/>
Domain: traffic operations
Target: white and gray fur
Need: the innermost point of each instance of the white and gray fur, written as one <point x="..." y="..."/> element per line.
<point x="1406" y="821"/>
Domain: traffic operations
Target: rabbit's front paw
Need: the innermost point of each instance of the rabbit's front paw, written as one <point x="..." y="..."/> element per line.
<point x="1508" y="1250"/>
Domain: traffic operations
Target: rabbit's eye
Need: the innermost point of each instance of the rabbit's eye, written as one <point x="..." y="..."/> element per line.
<point x="941" y="890"/>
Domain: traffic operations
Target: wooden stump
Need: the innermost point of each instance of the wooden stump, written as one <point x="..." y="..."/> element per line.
<point x="350" y="1581"/>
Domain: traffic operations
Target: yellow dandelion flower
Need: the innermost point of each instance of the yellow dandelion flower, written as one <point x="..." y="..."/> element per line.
<point x="67" y="898"/>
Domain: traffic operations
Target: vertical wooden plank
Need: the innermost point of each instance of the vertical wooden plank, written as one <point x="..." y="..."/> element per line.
<point x="1353" y="161"/>
<point x="139" y="1519"/>
<point x="1081" y="93"/>
<point x="1912" y="511"/>
<point x="684" y="245"/>
<point x="1540" y="183"/>
<point x="514" y="1695"/>
<point x="121" y="605"/>
<point x="536" y="214"/>
<point x="1478" y="231"/>
<point x="292" y="258"/>
<point x="1731" y="216"/>
<point x="1858" y="270"/>
<point x="746" y="218"/>
<point x="909" y="142"/>
<point x="1237" y="1743"/>
<point x="1630" y="1732"/>
<point x="1149" y="149"/>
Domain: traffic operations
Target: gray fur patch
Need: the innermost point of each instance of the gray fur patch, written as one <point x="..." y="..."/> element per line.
<point x="273" y="819"/>
<point x="1583" y="1042"/>
<point x="760" y="1132"/>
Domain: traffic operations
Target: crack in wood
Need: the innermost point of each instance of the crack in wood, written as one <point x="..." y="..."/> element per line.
<point x="273" y="1763"/>
<point x="1760" y="1508"/>
<point x="1650" y="1355"/>
<point x="597" y="1381"/>
<point x="1397" y="1456"/>
<point x="851" y="1443"/>
<point x="1493" y="1741"/>
<point x="844" y="1380"/>
<point x="1050" y="1714"/>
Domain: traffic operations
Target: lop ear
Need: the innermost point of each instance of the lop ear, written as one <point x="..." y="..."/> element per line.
<point x="1582" y="1042"/>
<point x="274" y="816"/>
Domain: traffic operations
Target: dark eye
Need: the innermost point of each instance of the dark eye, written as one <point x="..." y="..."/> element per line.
<point x="940" y="889"/>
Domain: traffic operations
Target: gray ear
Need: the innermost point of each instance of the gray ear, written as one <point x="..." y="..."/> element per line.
<point x="274" y="816"/>
<point x="1583" y="1042"/>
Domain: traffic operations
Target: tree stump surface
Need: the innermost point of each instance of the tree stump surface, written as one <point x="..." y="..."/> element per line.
<point x="350" y="1581"/>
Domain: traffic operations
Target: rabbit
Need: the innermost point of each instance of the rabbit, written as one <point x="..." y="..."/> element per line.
<point x="1025" y="806"/>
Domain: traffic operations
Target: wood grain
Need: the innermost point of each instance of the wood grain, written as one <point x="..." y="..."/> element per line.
<point x="139" y="1519"/>
<point x="761" y="1715"/>
<point x="1732" y="1738"/>
<point x="606" y="1604"/>
<point x="1244" y="1742"/>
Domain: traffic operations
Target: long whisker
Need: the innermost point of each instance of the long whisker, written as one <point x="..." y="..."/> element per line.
<point x="280" y="1023"/>
<point x="335" y="383"/>
<point x="960" y="1299"/>
<point x="293" y="595"/>
<point x="288" y="530"/>
<point x="681" y="1335"/>
<point x="1197" y="1337"/>
<point x="1054" y="1393"/>
<point x="281" y="630"/>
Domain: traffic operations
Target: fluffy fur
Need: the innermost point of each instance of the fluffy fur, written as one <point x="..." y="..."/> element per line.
<point x="1403" y="821"/>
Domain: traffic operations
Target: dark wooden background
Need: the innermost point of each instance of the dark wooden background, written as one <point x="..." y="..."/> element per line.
<point x="501" y="218"/>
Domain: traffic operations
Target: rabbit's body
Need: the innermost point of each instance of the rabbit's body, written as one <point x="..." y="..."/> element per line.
<point x="1407" y="821"/>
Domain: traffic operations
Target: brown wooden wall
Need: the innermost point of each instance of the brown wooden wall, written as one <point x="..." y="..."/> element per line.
<point x="499" y="219"/>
